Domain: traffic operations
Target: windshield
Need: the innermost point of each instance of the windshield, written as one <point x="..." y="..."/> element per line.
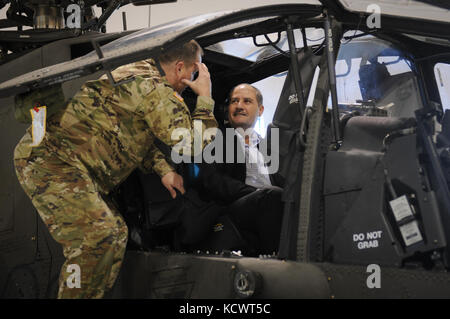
<point x="375" y="78"/>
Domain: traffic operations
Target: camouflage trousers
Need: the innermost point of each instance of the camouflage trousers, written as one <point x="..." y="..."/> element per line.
<point x="92" y="233"/>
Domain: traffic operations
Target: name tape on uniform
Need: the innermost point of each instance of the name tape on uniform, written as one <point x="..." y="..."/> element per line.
<point x="38" y="115"/>
<point x="178" y="96"/>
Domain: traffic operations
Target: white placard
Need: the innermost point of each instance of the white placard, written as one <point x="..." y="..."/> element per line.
<point x="401" y="208"/>
<point x="411" y="233"/>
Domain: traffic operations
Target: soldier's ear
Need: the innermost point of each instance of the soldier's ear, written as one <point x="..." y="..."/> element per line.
<point x="179" y="65"/>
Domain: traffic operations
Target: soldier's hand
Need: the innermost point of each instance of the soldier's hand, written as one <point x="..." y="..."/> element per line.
<point x="173" y="181"/>
<point x="202" y="84"/>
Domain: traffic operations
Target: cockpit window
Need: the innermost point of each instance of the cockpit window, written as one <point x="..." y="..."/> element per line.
<point x="258" y="49"/>
<point x="245" y="48"/>
<point x="442" y="73"/>
<point x="374" y="78"/>
<point x="271" y="88"/>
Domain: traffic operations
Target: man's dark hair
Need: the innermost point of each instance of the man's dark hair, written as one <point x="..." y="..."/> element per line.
<point x="259" y="97"/>
<point x="187" y="53"/>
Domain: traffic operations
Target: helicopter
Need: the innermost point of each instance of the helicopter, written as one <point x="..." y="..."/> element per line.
<point x="364" y="153"/>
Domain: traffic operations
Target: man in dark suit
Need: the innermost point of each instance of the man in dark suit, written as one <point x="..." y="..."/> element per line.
<point x="251" y="194"/>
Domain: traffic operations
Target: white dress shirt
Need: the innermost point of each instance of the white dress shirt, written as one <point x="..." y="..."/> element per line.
<point x="257" y="173"/>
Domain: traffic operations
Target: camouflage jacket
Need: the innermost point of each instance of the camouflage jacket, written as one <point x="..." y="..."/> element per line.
<point x="109" y="131"/>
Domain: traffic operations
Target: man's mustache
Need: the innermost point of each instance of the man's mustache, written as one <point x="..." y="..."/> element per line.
<point x="239" y="112"/>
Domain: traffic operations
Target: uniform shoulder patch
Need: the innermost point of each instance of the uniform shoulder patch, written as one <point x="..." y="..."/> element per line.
<point x="178" y="96"/>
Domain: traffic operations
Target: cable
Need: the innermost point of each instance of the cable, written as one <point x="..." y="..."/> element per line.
<point x="314" y="40"/>
<point x="275" y="46"/>
<point x="356" y="30"/>
<point x="320" y="47"/>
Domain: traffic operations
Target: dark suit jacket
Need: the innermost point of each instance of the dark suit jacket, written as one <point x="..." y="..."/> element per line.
<point x="225" y="182"/>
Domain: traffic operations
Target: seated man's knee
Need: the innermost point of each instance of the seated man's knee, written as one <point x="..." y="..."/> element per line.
<point x="275" y="192"/>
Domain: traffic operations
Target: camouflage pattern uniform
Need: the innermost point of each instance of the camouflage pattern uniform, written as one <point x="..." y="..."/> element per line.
<point x="91" y="146"/>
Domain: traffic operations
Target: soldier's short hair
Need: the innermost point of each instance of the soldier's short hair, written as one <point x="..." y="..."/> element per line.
<point x="188" y="53"/>
<point x="259" y="97"/>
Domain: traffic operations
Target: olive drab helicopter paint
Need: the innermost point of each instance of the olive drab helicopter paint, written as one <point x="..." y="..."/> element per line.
<point x="364" y="150"/>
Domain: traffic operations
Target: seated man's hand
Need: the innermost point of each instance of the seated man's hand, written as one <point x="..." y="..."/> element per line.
<point x="173" y="181"/>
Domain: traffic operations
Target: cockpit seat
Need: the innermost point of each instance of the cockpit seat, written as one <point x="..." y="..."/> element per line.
<point x="367" y="132"/>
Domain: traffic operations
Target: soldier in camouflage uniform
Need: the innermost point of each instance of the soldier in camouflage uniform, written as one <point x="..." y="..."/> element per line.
<point x="93" y="144"/>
